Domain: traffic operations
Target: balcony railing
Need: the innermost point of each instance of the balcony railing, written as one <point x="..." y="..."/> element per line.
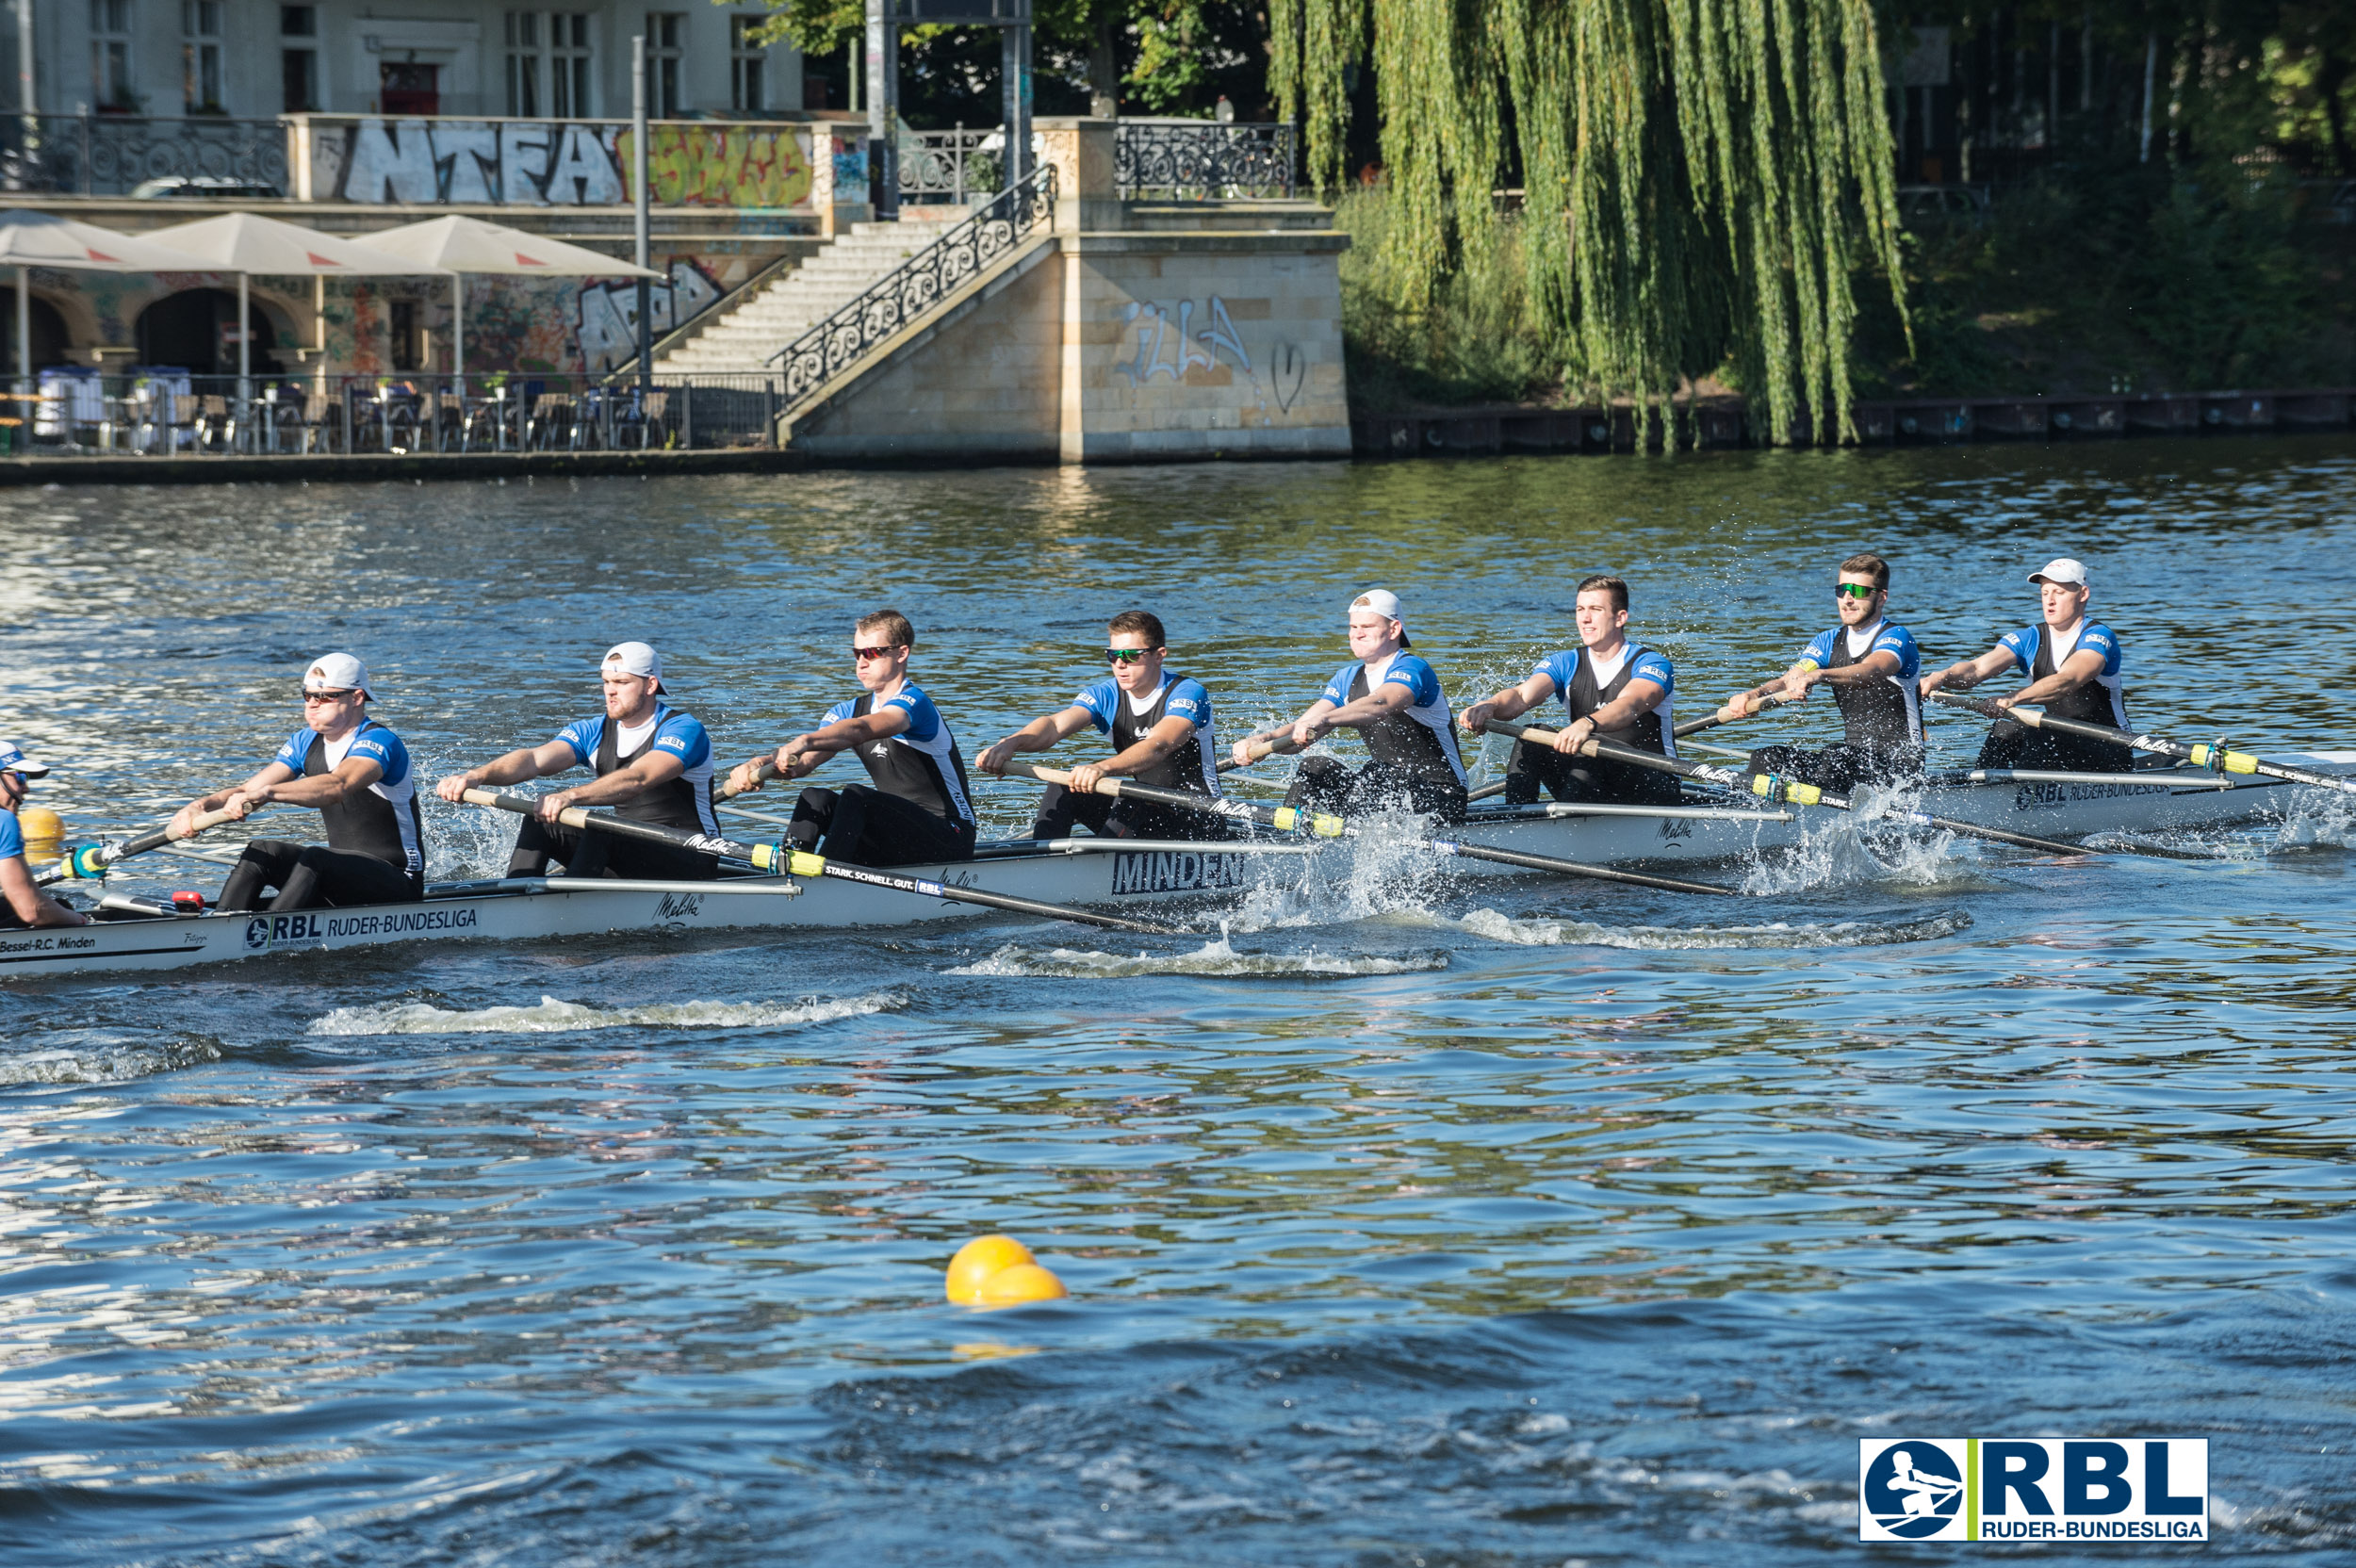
<point x="952" y="166"/>
<point x="112" y="155"/>
<point x="1203" y="160"/>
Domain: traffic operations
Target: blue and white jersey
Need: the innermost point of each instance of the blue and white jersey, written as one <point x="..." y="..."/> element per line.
<point x="11" y="836"/>
<point x="1883" y="713"/>
<point x="921" y="763"/>
<point x="390" y="832"/>
<point x="1587" y="683"/>
<point x="684" y="802"/>
<point x="1427" y="708"/>
<point x="1191" y="765"/>
<point x="2034" y="657"/>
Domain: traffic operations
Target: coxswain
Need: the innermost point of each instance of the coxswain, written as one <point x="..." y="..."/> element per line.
<point x="2073" y="669"/>
<point x="354" y="772"/>
<point x="1871" y="666"/>
<point x="653" y="764"/>
<point x="916" y="810"/>
<point x="1393" y="698"/>
<point x="1612" y="689"/>
<point x="1162" y="735"/>
<point x="21" y="902"/>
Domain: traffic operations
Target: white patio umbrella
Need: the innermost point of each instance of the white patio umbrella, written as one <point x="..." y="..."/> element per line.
<point x="248" y="244"/>
<point x="30" y="240"/>
<point x="464" y="245"/>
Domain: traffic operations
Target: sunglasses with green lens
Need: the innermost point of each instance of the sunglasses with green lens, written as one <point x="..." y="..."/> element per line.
<point x="1854" y="590"/>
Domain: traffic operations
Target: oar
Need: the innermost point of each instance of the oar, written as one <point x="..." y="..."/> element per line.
<point x="1755" y="706"/>
<point x="90" y="862"/>
<point x="1288" y="819"/>
<point x="795" y="862"/>
<point x="1770" y="787"/>
<point x="2217" y="757"/>
<point x="1259" y="750"/>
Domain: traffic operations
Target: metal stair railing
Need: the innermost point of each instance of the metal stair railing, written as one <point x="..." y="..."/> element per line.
<point x="910" y="289"/>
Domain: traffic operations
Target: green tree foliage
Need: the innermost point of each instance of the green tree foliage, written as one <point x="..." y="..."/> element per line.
<point x="1701" y="178"/>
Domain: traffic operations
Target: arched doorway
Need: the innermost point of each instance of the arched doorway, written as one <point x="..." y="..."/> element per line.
<point x="50" y="338"/>
<point x="192" y="330"/>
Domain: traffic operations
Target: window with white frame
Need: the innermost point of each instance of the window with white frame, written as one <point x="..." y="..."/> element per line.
<point x="667" y="33"/>
<point x="550" y="65"/>
<point x="200" y="56"/>
<point x="748" y="56"/>
<point x="110" y="55"/>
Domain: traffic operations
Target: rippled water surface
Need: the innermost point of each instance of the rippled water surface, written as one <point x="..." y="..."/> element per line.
<point x="1417" y="1221"/>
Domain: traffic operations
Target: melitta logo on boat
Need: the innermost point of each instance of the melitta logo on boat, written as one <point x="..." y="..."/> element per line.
<point x="1175" y="870"/>
<point x="2083" y="1489"/>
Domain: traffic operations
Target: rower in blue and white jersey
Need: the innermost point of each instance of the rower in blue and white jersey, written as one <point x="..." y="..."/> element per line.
<point x="1391" y="698"/>
<point x="2073" y="665"/>
<point x="653" y="764"/>
<point x="1610" y="688"/>
<point x="916" y="808"/>
<point x="21" y="900"/>
<point x="1871" y="666"/>
<point x="1161" y="734"/>
<point x="355" y="772"/>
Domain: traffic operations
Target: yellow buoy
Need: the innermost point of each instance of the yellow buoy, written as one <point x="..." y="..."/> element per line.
<point x="1024" y="1282"/>
<point x="44" y="832"/>
<point x="977" y="1261"/>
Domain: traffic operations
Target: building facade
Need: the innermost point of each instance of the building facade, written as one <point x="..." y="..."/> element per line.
<point x="253" y="59"/>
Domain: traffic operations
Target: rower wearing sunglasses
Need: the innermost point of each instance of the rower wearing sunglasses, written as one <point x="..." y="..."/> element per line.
<point x="1390" y="696"/>
<point x="653" y="764"/>
<point x="355" y="772"/>
<point x="1871" y="666"/>
<point x="2073" y="669"/>
<point x="1610" y="686"/>
<point x="916" y="808"/>
<point x="1162" y="736"/>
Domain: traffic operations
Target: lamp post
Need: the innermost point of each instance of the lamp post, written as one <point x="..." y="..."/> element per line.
<point x="642" y="214"/>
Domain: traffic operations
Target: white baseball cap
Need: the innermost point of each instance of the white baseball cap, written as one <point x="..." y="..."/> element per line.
<point x="12" y="759"/>
<point x="637" y="658"/>
<point x="2063" y="570"/>
<point x="337" y="672"/>
<point x="1382" y="602"/>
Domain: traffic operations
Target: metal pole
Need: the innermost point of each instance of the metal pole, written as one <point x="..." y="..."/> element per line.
<point x="1014" y="71"/>
<point x="28" y="99"/>
<point x="883" y="109"/>
<point x="25" y="333"/>
<point x="458" y="332"/>
<point x="245" y="360"/>
<point x="2151" y="64"/>
<point x="642" y="214"/>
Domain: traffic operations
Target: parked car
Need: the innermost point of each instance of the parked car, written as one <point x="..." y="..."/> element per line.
<point x="215" y="187"/>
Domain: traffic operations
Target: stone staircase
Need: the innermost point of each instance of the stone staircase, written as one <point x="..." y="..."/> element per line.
<point x="744" y="338"/>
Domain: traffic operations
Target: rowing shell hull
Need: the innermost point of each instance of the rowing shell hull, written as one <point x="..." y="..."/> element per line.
<point x="1110" y="878"/>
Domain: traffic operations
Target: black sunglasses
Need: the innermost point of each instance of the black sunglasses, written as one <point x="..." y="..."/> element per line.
<point x="309" y="695"/>
<point x="1126" y="656"/>
<point x="883" y="652"/>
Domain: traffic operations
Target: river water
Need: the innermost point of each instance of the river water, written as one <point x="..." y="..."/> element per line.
<point x="1506" y="1222"/>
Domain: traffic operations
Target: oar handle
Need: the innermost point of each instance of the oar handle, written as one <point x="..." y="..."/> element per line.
<point x="1107" y="786"/>
<point x="1987" y="709"/>
<point x="767" y="770"/>
<point x="1259" y="749"/>
<point x="89" y="862"/>
<point x="1753" y="706"/>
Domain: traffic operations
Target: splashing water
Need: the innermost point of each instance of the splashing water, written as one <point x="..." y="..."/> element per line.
<point x="1214" y="959"/>
<point x="1580" y="933"/>
<point x="553" y="1016"/>
<point x="103" y="1058"/>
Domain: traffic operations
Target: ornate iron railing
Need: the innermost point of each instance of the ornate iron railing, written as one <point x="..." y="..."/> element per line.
<point x="915" y="287"/>
<point x="952" y="165"/>
<point x="1203" y="160"/>
<point x="112" y="155"/>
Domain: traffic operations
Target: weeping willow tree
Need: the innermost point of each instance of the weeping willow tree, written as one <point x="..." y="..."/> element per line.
<point x="1701" y="178"/>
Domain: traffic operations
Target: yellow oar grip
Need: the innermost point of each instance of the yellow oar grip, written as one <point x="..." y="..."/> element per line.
<point x="2229" y="761"/>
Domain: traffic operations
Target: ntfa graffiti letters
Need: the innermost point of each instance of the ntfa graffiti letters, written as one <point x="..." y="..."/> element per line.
<point x="606" y="321"/>
<point x="555" y="163"/>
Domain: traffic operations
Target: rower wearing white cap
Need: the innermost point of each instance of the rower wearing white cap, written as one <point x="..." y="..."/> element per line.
<point x="354" y="772"/>
<point x="2073" y="669"/>
<point x="653" y="764"/>
<point x="1609" y="687"/>
<point x="21" y="902"/>
<point x="1391" y="698"/>
<point x="915" y="808"/>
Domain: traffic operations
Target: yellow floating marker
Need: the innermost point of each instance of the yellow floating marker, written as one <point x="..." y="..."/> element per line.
<point x="1024" y="1282"/>
<point x="44" y="832"/>
<point x="977" y="1261"/>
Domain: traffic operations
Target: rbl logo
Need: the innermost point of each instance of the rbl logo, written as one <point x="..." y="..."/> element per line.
<point x="2032" y="1489"/>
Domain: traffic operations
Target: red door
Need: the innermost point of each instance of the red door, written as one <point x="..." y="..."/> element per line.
<point x="406" y="89"/>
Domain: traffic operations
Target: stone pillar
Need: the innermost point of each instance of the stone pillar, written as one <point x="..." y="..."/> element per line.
<point x="1086" y="198"/>
<point x="837" y="180"/>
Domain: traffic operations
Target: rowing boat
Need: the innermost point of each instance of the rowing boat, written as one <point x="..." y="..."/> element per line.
<point x="1113" y="872"/>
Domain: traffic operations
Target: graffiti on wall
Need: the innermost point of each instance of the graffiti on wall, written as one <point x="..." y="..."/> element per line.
<point x="1165" y="341"/>
<point x="555" y="163"/>
<point x="606" y="319"/>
